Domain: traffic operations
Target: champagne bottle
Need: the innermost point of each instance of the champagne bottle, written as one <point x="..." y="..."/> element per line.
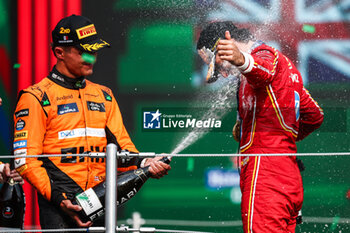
<point x="300" y="218"/>
<point x="12" y="205"/>
<point x="128" y="184"/>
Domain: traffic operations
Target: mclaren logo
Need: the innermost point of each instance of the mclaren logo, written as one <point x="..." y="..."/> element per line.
<point x="86" y="31"/>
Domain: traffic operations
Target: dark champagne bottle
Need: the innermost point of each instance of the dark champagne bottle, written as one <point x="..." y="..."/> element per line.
<point x="300" y="218"/>
<point x="128" y="184"/>
<point x="12" y="205"/>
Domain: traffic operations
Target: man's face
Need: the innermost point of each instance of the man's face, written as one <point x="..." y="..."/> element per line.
<point x="75" y="64"/>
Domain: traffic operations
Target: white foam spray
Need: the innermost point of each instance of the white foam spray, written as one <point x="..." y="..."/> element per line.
<point x="220" y="101"/>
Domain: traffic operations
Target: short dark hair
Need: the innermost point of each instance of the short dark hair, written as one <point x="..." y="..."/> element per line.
<point x="213" y="31"/>
<point x="66" y="48"/>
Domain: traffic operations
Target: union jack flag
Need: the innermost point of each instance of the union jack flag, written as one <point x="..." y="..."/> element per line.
<point x="322" y="54"/>
<point x="325" y="60"/>
<point x="246" y="11"/>
<point x="322" y="10"/>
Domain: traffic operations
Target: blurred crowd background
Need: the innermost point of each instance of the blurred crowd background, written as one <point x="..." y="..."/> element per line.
<point x="152" y="64"/>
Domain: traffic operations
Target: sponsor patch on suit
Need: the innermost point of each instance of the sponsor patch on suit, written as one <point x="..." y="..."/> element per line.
<point x="92" y="106"/>
<point x="20" y="124"/>
<point x="67" y="108"/>
<point x="20" y="161"/>
<point x="21" y="135"/>
<point x="20" y="144"/>
<point x="22" y="113"/>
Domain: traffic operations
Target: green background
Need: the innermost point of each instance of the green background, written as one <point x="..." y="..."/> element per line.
<point x="164" y="50"/>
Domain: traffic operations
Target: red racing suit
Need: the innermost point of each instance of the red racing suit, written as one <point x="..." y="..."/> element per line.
<point x="60" y="115"/>
<point x="275" y="111"/>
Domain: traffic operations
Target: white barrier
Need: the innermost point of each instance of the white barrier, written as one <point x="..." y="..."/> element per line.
<point x="110" y="205"/>
<point x="124" y="229"/>
<point x="150" y="154"/>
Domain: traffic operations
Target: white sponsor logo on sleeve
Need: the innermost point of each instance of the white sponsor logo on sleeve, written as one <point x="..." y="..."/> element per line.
<point x="20" y="161"/>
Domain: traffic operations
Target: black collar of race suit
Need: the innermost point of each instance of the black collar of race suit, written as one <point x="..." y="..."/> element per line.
<point x="64" y="81"/>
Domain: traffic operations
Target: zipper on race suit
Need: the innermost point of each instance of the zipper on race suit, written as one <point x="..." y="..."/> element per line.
<point x="84" y="108"/>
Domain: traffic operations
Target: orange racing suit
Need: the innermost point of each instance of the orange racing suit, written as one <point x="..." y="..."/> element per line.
<point x="60" y="115"/>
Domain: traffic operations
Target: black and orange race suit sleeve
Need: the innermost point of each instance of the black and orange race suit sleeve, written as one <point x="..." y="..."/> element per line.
<point x="311" y="115"/>
<point x="30" y="127"/>
<point x="117" y="134"/>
